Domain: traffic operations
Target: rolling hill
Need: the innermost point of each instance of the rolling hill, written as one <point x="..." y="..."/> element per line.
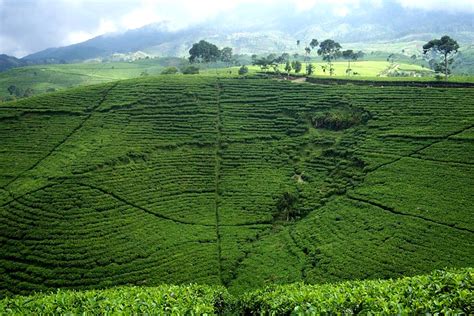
<point x="235" y="182"/>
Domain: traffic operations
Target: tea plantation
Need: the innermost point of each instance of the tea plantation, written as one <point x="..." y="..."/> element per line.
<point x="240" y="183"/>
<point x="445" y="292"/>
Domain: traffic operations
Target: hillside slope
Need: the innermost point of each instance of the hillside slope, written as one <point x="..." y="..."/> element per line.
<point x="180" y="179"/>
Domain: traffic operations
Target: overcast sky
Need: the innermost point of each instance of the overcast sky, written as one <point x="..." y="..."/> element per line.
<point x="27" y="26"/>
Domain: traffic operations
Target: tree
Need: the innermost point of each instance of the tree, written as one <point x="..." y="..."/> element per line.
<point x="288" y="68"/>
<point x="330" y="50"/>
<point x="28" y="93"/>
<point x="350" y="55"/>
<point x="446" y="47"/>
<point x="12" y="89"/>
<point x="309" y="69"/>
<point x="226" y="55"/>
<point x="296" y="66"/>
<point x="204" y="52"/>
<point x="266" y="62"/>
<point x="169" y="71"/>
<point x="286" y="205"/>
<point x="243" y="70"/>
<point x="307" y="51"/>
<point x="391" y="58"/>
<point x="314" y="43"/>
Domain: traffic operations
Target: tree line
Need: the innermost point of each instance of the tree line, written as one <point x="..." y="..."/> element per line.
<point x="439" y="52"/>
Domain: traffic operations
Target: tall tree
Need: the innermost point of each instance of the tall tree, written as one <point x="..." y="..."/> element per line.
<point x="350" y="55"/>
<point x="330" y="50"/>
<point x="446" y="47"/>
<point x="307" y="51"/>
<point x="288" y="68"/>
<point x="226" y="55"/>
<point x="296" y="65"/>
<point x="314" y="43"/>
<point x="204" y="52"/>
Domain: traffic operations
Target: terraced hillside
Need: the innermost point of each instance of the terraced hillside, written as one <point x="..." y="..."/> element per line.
<point x="239" y="182"/>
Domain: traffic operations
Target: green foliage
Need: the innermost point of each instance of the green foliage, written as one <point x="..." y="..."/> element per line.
<point x="286" y="206"/>
<point x="288" y="67"/>
<point x="169" y="71"/>
<point x="243" y="70"/>
<point x="204" y="52"/>
<point x="340" y="119"/>
<point x="309" y="69"/>
<point x="226" y="54"/>
<point x="175" y="179"/>
<point x="447" y="48"/>
<point x="296" y="65"/>
<point x="444" y="292"/>
<point x="190" y="70"/>
<point x="330" y="50"/>
<point x="162" y="300"/>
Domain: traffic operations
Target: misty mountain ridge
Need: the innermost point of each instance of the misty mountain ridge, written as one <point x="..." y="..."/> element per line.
<point x="277" y="33"/>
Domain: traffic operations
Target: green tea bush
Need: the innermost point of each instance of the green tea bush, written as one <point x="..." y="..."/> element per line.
<point x="169" y="71"/>
<point x="165" y="299"/>
<point x="445" y="292"/>
<point x="339" y="119"/>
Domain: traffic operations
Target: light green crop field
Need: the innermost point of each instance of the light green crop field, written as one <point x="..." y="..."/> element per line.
<point x="362" y="68"/>
<point x="179" y="179"/>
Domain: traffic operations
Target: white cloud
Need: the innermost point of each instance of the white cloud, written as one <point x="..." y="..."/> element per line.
<point x="77" y="37"/>
<point x="139" y="17"/>
<point x="341" y="11"/>
<point x="72" y="21"/>
<point x="105" y="26"/>
<point x="448" y="5"/>
<point x="340" y="8"/>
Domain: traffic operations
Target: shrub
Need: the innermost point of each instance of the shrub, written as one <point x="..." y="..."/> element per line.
<point x="169" y="71"/>
<point x="243" y="70"/>
<point x="190" y="70"/>
<point x="339" y="119"/>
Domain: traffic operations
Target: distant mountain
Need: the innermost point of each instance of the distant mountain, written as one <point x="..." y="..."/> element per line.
<point x="276" y="33"/>
<point x="7" y="62"/>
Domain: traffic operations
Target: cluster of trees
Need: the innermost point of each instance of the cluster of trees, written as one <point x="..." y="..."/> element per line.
<point x="17" y="92"/>
<point x="440" y="53"/>
<point x="205" y="52"/>
<point x="329" y="50"/>
<point x="186" y="70"/>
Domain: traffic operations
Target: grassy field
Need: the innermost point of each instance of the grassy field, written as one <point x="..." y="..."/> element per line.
<point x="180" y="179"/>
<point x="445" y="292"/>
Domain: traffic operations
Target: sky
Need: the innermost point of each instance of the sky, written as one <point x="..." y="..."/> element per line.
<point x="27" y="26"/>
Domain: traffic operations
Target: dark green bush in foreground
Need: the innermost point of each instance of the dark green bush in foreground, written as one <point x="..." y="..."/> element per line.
<point x="440" y="292"/>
